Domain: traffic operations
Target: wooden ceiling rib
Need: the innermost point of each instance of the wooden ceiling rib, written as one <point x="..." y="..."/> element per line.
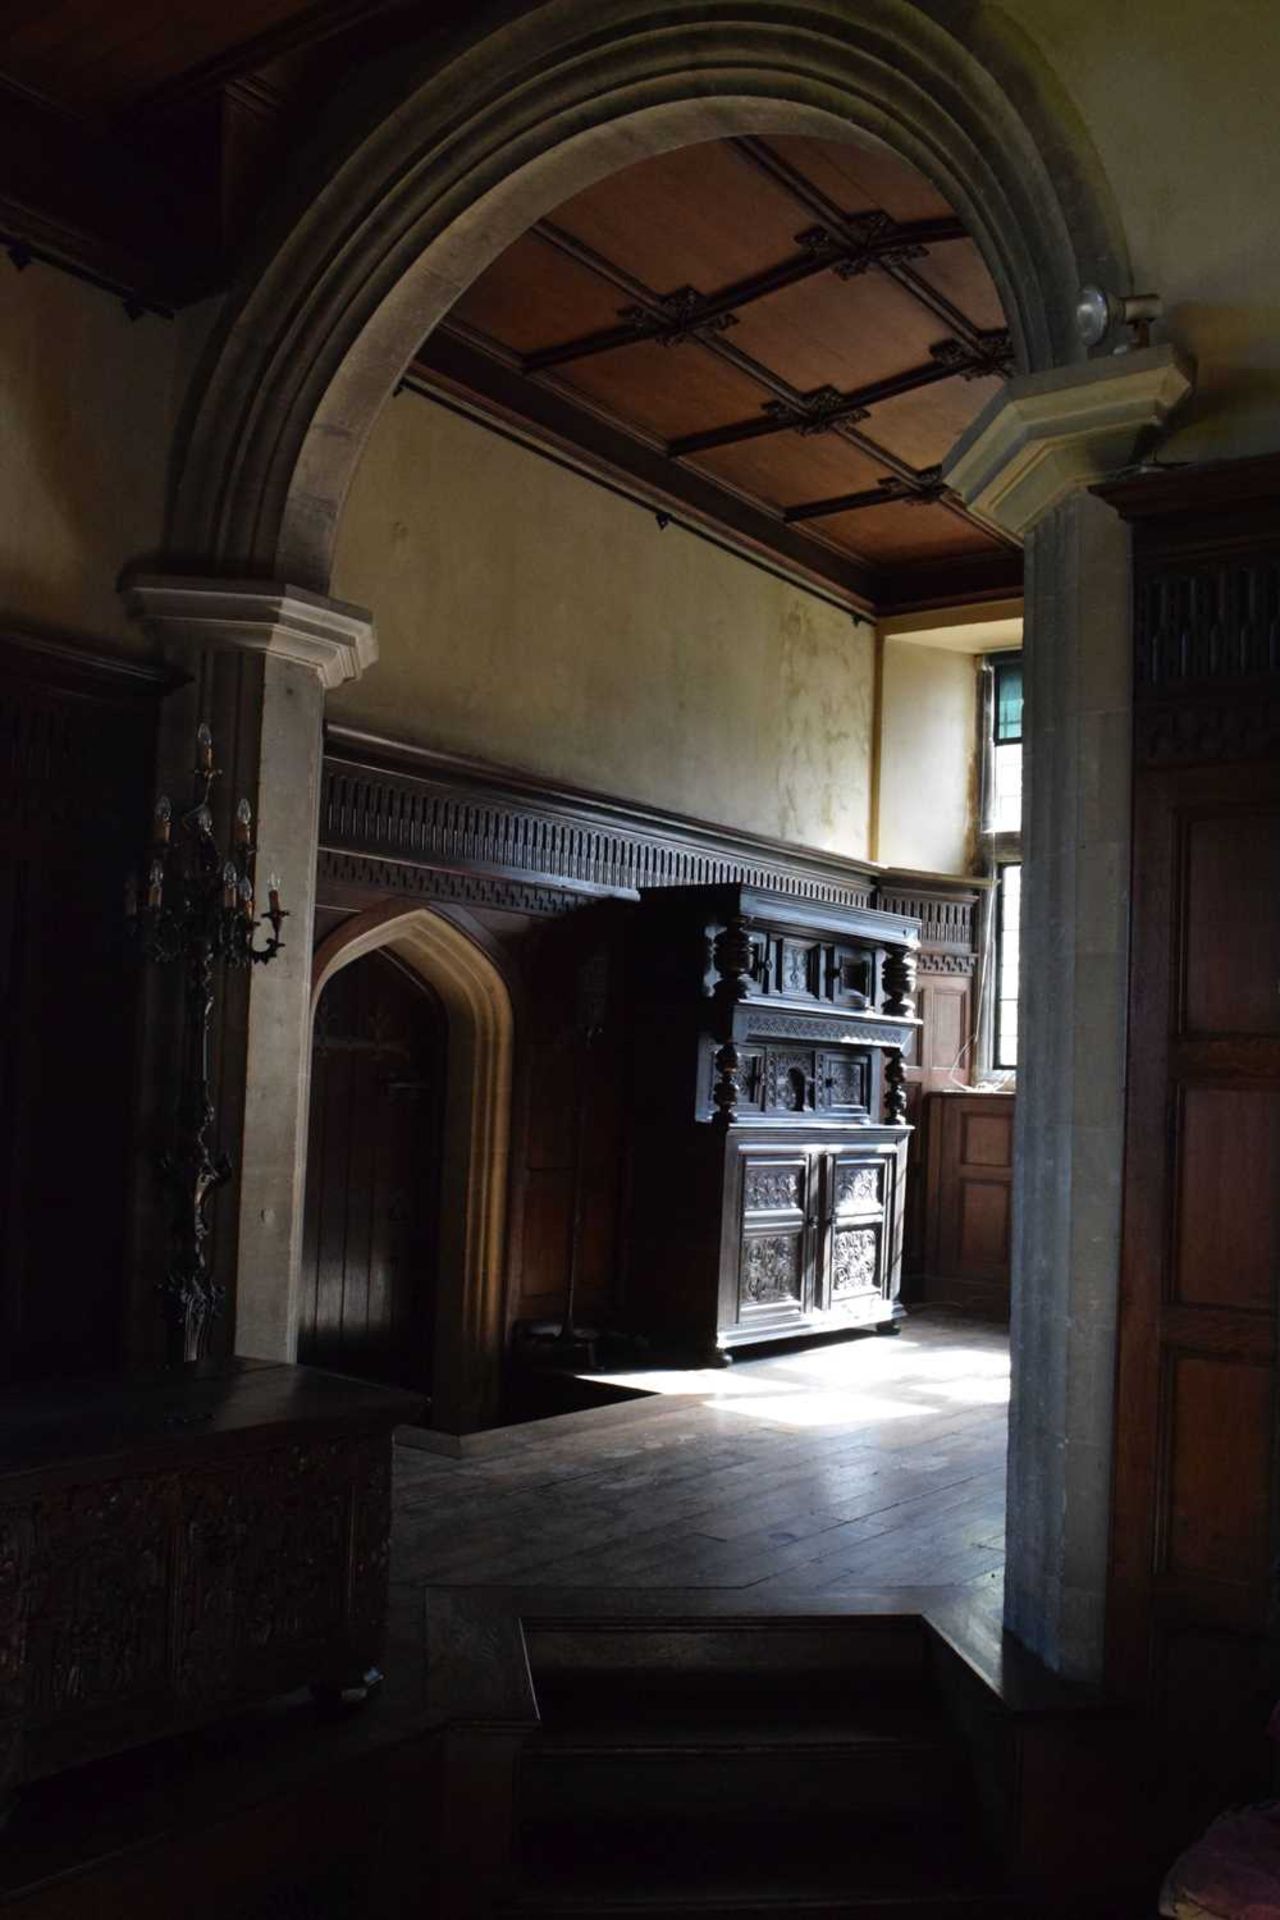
<point x="814" y="356"/>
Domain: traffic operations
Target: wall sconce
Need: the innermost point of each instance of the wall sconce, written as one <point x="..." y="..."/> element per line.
<point x="1100" y="314"/>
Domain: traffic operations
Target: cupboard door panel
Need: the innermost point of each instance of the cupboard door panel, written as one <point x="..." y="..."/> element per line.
<point x="773" y="1279"/>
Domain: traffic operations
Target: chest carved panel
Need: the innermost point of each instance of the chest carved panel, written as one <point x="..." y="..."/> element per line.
<point x="855" y="1260"/>
<point x="771" y="1267"/>
<point x="771" y="1188"/>
<point x="230" y="1556"/>
<point x="858" y="1188"/>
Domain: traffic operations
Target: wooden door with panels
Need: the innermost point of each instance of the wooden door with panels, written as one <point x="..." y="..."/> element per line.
<point x="373" y="1175"/>
<point x="1195" y="1592"/>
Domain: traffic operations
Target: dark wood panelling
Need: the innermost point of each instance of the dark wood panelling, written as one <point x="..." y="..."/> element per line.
<point x="968" y="1197"/>
<point x="553" y="875"/>
<point x="1227" y="1249"/>
<point x="1193" y="1586"/>
<point x="77" y="733"/>
<point x="1233" y="895"/>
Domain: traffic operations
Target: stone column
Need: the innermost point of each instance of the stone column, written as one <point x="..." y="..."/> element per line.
<point x="1027" y="465"/>
<point x="260" y="657"/>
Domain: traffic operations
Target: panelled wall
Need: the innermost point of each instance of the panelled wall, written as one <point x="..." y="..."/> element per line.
<point x="77" y="746"/>
<point x="1194" y="1553"/>
<point x="548" y="877"/>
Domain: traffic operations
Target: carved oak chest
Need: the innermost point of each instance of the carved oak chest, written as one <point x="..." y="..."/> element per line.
<point x="768" y="1115"/>
<point x="174" y="1548"/>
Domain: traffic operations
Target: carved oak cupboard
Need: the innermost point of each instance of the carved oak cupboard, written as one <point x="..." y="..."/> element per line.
<point x="768" y="1116"/>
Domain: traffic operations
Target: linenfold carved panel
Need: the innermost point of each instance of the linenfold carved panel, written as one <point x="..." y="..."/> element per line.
<point x="771" y="1268"/>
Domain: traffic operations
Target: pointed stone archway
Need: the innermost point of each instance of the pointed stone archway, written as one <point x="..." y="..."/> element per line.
<point x="471" y="1314"/>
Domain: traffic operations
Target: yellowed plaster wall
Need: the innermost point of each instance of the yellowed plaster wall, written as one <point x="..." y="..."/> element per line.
<point x="528" y="616"/>
<point x="87" y="403"/>
<point x="928" y="758"/>
<point x="1179" y="98"/>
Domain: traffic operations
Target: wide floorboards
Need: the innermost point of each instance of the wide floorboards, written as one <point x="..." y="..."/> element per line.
<point x="867" y="1464"/>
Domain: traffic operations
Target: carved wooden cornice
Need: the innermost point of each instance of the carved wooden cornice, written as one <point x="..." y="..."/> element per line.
<point x="405" y="820"/>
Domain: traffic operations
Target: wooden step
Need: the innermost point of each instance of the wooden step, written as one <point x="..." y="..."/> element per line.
<point x="872" y="1652"/>
<point x="804" y="1762"/>
<point x="708" y="1867"/>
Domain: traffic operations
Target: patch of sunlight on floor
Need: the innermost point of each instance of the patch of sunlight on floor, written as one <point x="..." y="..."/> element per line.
<point x="851" y="1383"/>
<point x="809" y="1408"/>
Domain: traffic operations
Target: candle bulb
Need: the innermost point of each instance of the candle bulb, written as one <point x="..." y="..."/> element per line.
<point x="155" y="884"/>
<point x="204" y="747"/>
<point x="273" y="895"/>
<point x="204" y="820"/>
<point x="161" y="819"/>
<point x="244" y="820"/>
<point x="246" y="896"/>
<point x="230" y="885"/>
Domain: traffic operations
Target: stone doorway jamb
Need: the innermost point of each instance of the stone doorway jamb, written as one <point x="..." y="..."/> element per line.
<point x="260" y="657"/>
<point x="1027" y="465"/>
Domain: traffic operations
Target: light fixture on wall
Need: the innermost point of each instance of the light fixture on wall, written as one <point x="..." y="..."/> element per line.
<point x="1100" y="315"/>
<point x="196" y="908"/>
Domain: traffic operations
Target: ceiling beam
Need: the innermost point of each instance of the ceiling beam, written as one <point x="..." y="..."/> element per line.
<point x="671" y="318"/>
<point x="825" y="407"/>
<point x="836" y="221"/>
<point x="460" y="367"/>
<point x="715" y="343"/>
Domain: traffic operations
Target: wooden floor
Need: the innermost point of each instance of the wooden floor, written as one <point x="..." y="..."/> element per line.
<point x="869" y="1464"/>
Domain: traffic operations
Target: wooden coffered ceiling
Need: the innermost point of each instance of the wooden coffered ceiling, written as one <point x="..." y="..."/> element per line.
<point x="777" y="341"/>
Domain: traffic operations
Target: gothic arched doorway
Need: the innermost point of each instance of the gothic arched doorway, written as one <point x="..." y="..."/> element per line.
<point x="371" y="1231"/>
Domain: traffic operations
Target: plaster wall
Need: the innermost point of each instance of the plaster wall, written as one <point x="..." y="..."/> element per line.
<point x="928" y="758"/>
<point x="1179" y="100"/>
<point x="529" y="617"/>
<point x="87" y="403"/>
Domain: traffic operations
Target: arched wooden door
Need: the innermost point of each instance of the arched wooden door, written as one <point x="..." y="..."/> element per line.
<point x="373" y="1175"/>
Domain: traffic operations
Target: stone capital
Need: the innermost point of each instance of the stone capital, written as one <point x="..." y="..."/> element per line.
<point x="335" y="640"/>
<point x="1050" y="434"/>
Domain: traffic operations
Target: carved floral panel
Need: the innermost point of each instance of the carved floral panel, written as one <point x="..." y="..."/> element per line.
<point x="854" y="1260"/>
<point x="858" y="1188"/>
<point x="771" y="1269"/>
<point x="772" y="1187"/>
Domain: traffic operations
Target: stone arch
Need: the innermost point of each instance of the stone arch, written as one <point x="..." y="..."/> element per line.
<point x="471" y="1316"/>
<point x="469" y="153"/>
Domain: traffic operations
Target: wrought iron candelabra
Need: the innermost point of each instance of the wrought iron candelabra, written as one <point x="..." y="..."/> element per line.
<point x="195" y="909"/>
